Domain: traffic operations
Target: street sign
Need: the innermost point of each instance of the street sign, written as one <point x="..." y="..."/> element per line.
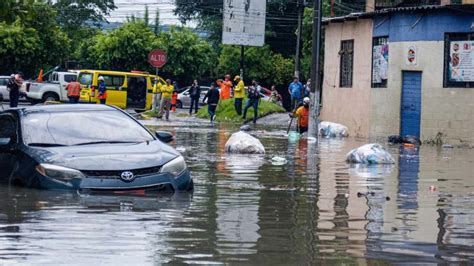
<point x="244" y="22"/>
<point x="157" y="58"/>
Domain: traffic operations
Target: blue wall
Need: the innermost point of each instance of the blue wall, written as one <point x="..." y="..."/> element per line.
<point x="432" y="26"/>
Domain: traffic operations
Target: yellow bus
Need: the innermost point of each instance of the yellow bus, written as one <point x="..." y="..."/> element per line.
<point x="124" y="89"/>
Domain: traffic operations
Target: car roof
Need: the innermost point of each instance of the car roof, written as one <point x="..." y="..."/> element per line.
<point x="51" y="108"/>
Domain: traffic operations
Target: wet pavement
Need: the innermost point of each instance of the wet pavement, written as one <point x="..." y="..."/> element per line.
<point x="316" y="209"/>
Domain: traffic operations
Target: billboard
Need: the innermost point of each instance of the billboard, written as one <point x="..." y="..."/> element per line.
<point x="461" y="63"/>
<point x="244" y="22"/>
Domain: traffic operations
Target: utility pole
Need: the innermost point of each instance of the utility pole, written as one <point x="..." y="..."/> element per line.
<point x="300" y="6"/>
<point x="313" y="130"/>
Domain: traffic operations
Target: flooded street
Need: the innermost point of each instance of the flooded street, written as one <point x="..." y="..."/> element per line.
<point x="314" y="209"/>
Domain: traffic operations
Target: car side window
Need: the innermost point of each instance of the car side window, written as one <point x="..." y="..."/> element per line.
<point x="113" y="80"/>
<point x="69" y="78"/>
<point x="3" y="82"/>
<point x="8" y="127"/>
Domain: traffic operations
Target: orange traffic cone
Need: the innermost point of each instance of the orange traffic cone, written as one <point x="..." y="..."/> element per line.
<point x="174" y="99"/>
<point x="40" y="76"/>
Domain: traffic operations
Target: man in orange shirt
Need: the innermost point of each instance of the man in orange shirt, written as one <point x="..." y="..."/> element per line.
<point x="73" y="91"/>
<point x="302" y="113"/>
<point x="226" y="85"/>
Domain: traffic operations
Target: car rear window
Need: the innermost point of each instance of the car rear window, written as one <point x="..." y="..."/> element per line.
<point x="69" y="78"/>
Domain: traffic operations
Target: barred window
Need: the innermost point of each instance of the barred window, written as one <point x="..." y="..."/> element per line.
<point x="347" y="59"/>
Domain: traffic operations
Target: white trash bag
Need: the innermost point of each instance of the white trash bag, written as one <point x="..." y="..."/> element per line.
<point x="331" y="130"/>
<point x="241" y="142"/>
<point x="370" y="154"/>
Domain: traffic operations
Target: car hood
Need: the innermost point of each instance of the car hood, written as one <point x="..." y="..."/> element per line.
<point x="107" y="156"/>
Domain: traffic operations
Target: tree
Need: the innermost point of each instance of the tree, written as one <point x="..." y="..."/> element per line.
<point x="33" y="41"/>
<point x="281" y="21"/>
<point x="54" y="45"/>
<point x="260" y="64"/>
<point x="189" y="56"/>
<point x="77" y="13"/>
<point x="156" y="26"/>
<point x="125" y="48"/>
<point x="146" y="16"/>
<point x="18" y="47"/>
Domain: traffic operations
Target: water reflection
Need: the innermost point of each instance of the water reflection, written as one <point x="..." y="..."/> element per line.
<point x="316" y="209"/>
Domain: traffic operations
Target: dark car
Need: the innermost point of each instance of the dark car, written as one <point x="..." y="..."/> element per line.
<point x="86" y="147"/>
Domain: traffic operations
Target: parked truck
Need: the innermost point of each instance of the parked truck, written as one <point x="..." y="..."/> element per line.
<point x="52" y="90"/>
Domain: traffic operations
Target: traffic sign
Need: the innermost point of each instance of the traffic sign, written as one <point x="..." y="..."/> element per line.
<point x="157" y="58"/>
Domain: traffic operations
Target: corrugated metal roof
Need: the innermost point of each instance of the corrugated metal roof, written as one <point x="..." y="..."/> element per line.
<point x="354" y="16"/>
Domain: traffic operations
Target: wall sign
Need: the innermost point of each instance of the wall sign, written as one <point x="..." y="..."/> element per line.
<point x="411" y="55"/>
<point x="461" y="61"/>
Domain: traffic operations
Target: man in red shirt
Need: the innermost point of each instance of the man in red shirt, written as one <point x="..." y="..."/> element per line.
<point x="73" y="91"/>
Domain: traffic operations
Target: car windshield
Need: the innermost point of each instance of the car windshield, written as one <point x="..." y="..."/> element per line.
<point x="81" y="128"/>
<point x="85" y="78"/>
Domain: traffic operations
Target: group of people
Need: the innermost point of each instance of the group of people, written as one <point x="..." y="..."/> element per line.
<point x="237" y="91"/>
<point x="300" y="102"/>
<point x="162" y="98"/>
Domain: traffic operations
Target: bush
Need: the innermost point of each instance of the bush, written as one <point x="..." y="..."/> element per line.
<point x="226" y="111"/>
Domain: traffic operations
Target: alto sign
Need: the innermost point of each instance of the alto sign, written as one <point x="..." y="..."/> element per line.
<point x="157" y="58"/>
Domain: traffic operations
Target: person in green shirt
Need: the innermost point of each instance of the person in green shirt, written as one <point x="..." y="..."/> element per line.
<point x="239" y="94"/>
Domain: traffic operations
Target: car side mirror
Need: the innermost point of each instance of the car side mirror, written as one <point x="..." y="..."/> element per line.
<point x="5" y="144"/>
<point x="164" y="136"/>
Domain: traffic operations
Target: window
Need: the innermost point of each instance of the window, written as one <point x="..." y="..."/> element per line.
<point x="459" y="60"/>
<point x="69" y="78"/>
<point x="347" y="59"/>
<point x="3" y="81"/>
<point x="85" y="79"/>
<point x="113" y="81"/>
<point x="379" y="62"/>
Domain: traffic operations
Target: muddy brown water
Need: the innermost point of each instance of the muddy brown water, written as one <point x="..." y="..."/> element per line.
<point x="316" y="209"/>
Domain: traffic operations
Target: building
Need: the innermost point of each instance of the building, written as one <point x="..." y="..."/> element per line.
<point x="402" y="70"/>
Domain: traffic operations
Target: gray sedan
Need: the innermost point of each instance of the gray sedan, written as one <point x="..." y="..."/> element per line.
<point x="184" y="99"/>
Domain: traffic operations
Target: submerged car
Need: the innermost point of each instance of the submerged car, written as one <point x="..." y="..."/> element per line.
<point x="86" y="147"/>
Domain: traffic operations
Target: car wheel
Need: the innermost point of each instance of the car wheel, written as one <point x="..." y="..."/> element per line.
<point x="179" y="104"/>
<point x="50" y="97"/>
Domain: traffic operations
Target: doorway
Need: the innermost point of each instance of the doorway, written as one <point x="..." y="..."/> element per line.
<point x="410" y="109"/>
<point x="136" y="92"/>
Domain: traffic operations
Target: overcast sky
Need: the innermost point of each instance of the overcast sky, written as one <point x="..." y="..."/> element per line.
<point x="137" y="7"/>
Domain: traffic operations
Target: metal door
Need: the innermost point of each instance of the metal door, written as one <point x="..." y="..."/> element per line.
<point x="410" y="114"/>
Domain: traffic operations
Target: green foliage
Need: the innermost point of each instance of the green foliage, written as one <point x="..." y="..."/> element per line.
<point x="125" y="48"/>
<point x="225" y="111"/>
<point x="260" y="63"/>
<point x="189" y="57"/>
<point x="32" y="41"/>
<point x="18" y="47"/>
<point x="77" y="13"/>
<point x="281" y="21"/>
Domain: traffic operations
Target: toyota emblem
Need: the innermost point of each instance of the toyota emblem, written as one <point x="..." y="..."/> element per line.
<point x="127" y="176"/>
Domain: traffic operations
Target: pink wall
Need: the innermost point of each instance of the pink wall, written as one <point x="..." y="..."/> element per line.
<point x="348" y="106"/>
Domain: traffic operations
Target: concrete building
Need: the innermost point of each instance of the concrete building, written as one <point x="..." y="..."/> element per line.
<point x="402" y="71"/>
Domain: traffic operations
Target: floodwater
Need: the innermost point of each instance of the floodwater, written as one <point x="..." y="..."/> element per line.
<point x="316" y="209"/>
